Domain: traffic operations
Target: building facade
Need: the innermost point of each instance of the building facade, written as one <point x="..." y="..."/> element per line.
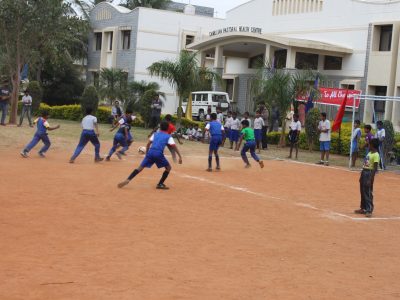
<point x="353" y="43"/>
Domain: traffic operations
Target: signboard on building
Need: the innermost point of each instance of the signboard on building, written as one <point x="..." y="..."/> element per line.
<point x="332" y="96"/>
<point x="236" y="29"/>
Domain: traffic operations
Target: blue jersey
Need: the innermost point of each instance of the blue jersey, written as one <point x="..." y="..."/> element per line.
<point x="215" y="128"/>
<point x="160" y="140"/>
<point x="41" y="125"/>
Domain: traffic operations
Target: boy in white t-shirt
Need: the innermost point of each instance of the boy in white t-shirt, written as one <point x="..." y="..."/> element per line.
<point x="234" y="132"/>
<point x="294" y="134"/>
<point x="324" y="127"/>
<point x="381" y="135"/>
<point x="227" y="127"/>
<point x="258" y="126"/>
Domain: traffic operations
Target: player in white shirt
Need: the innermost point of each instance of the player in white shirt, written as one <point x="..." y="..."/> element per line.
<point x="220" y="116"/>
<point x="234" y="132"/>
<point x="90" y="133"/>
<point x="294" y="134"/>
<point x="26" y="109"/>
<point x="227" y="127"/>
<point x="246" y="116"/>
<point x="381" y="135"/>
<point x="258" y="126"/>
<point x="324" y="128"/>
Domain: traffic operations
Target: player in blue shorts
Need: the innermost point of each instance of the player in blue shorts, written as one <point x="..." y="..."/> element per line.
<point x="122" y="138"/>
<point x="155" y="155"/>
<point x="216" y="130"/>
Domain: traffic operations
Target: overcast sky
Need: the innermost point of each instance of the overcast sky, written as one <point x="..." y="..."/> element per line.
<point x="221" y="6"/>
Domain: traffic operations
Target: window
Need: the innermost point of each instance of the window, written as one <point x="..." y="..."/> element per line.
<point x="189" y="39"/>
<point x="256" y="61"/>
<point x="219" y="99"/>
<point x="385" y="39"/>
<point x="333" y="63"/>
<point x="126" y="39"/>
<point x="110" y="40"/>
<point x="280" y="57"/>
<point x="306" y="61"/>
<point x="98" y="39"/>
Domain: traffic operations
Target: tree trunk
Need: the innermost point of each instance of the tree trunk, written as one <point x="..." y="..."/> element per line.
<point x="14" y="96"/>
<point x="179" y="121"/>
<point x="282" y="140"/>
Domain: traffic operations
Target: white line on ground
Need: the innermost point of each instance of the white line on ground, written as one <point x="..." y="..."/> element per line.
<point x="327" y="213"/>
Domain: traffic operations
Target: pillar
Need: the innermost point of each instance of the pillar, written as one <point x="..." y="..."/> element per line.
<point x="218" y="67"/>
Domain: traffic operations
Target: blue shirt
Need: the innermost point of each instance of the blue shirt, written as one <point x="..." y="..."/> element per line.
<point x="215" y="128"/>
<point x="41" y="125"/>
<point x="160" y="140"/>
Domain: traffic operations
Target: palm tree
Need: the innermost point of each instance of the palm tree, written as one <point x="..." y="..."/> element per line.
<point x="280" y="88"/>
<point x="113" y="84"/>
<point x="83" y="7"/>
<point x="158" y="4"/>
<point x="184" y="74"/>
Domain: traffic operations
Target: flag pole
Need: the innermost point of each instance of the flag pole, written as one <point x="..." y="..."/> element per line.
<point x="352" y="130"/>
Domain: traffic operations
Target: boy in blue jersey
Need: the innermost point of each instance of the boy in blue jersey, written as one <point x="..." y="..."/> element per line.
<point x="41" y="135"/>
<point x="123" y="137"/>
<point x="217" y="131"/>
<point x="155" y="155"/>
<point x="247" y="134"/>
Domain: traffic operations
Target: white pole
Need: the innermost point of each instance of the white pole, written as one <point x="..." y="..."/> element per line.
<point x="352" y="130"/>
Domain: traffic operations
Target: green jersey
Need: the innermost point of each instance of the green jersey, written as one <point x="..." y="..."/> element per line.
<point x="248" y="134"/>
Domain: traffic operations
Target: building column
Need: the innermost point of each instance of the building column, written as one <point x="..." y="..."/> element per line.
<point x="396" y="113"/>
<point x="268" y="58"/>
<point x="218" y="67"/>
<point x="291" y="59"/>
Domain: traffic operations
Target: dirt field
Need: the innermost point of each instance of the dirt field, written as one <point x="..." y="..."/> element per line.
<point x="285" y="232"/>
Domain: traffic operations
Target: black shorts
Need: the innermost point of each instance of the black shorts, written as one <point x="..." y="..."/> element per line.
<point x="293" y="136"/>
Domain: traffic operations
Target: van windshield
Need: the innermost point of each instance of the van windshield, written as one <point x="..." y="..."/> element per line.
<point x="219" y="98"/>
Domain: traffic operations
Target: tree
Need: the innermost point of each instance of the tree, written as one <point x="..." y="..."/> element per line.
<point x="26" y="33"/>
<point x="311" y="126"/>
<point x="158" y="4"/>
<point x="90" y="99"/>
<point x="184" y="74"/>
<point x="36" y="92"/>
<point x="142" y="94"/>
<point x="281" y="88"/>
<point x="113" y="84"/>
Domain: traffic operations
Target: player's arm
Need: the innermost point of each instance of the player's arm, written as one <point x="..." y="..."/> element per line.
<point x="53" y="128"/>
<point x="175" y="148"/>
<point x="96" y="128"/>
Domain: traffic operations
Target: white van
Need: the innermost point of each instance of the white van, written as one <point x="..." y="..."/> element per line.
<point x="201" y="101"/>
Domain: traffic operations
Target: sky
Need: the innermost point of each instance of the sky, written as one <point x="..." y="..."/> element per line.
<point x="221" y="6"/>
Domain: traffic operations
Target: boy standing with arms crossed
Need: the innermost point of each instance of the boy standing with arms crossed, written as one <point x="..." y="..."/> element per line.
<point x="367" y="177"/>
<point x="155" y="155"/>
<point x="258" y="126"/>
<point x="324" y="128"/>
<point x="294" y="134"/>
<point x="216" y="131"/>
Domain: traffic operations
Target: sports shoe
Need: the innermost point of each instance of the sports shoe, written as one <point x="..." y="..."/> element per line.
<point x="118" y="155"/>
<point x="24" y="154"/>
<point x="321" y="162"/>
<point x="108" y="158"/>
<point x="209" y="170"/>
<point x="261" y="164"/>
<point x="122" y="153"/>
<point x="41" y="154"/>
<point x="327" y="163"/>
<point x="359" y="211"/>
<point x="162" y="186"/>
<point x="98" y="159"/>
<point x="123" y="183"/>
<point x="248" y="166"/>
<point x="71" y="161"/>
<point x="368" y="214"/>
<point x="218" y="169"/>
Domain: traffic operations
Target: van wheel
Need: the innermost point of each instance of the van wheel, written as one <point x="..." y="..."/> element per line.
<point x="201" y="116"/>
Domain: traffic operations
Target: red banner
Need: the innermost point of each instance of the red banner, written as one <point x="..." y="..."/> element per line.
<point x="330" y="96"/>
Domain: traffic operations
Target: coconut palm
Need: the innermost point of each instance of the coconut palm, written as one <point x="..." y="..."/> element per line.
<point x="281" y="88"/>
<point x="113" y="84"/>
<point x="184" y="74"/>
<point x="158" y="4"/>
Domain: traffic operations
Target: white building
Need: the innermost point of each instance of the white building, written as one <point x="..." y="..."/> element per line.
<point x="353" y="43"/>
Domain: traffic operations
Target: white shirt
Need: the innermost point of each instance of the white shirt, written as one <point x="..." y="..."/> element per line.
<point x="235" y="124"/>
<point x="122" y="120"/>
<point x="258" y="123"/>
<point x="356" y="134"/>
<point x="220" y="118"/>
<point x="295" y="126"/>
<point x="27" y="100"/>
<point x="325" y="136"/>
<point x="380" y="134"/>
<point x="228" y="122"/>
<point x="88" y="122"/>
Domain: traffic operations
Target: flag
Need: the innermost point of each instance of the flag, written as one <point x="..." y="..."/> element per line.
<point x="340" y="114"/>
<point x="189" y="108"/>
<point x="310" y="103"/>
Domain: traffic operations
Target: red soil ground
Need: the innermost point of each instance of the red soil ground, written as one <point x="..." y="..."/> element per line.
<point x="285" y="232"/>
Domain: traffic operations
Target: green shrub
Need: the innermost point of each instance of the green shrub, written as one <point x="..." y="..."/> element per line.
<point x="90" y="99"/>
<point x="36" y="92"/>
<point x="311" y="126"/>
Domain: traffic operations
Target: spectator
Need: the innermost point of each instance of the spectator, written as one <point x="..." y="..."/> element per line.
<point x="116" y="112"/>
<point x="156" y="106"/>
<point x="381" y="135"/>
<point x="265" y="116"/>
<point x="324" y="128"/>
<point x="26" y="109"/>
<point x="4" y="98"/>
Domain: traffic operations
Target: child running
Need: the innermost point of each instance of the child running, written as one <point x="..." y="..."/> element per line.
<point x="90" y="132"/>
<point x="123" y="137"/>
<point x="234" y="132"/>
<point x="155" y="155"/>
<point x="42" y="126"/>
<point x="367" y="177"/>
<point x="216" y="131"/>
<point x="248" y="136"/>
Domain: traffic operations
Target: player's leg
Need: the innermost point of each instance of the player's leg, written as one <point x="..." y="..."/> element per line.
<point x="217" y="160"/>
<point x="96" y="143"/>
<point x="296" y="144"/>
<point x="84" y="139"/>
<point x="130" y="177"/>
<point x="291" y="150"/>
<point x="31" y="144"/>
<point x="244" y="155"/>
<point x="161" y="185"/>
<point x="46" y="141"/>
<point x="362" y="202"/>
<point x="21" y="117"/>
<point x="113" y="148"/>
<point x="210" y="153"/>
<point x="252" y="148"/>
<point x="369" y="207"/>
